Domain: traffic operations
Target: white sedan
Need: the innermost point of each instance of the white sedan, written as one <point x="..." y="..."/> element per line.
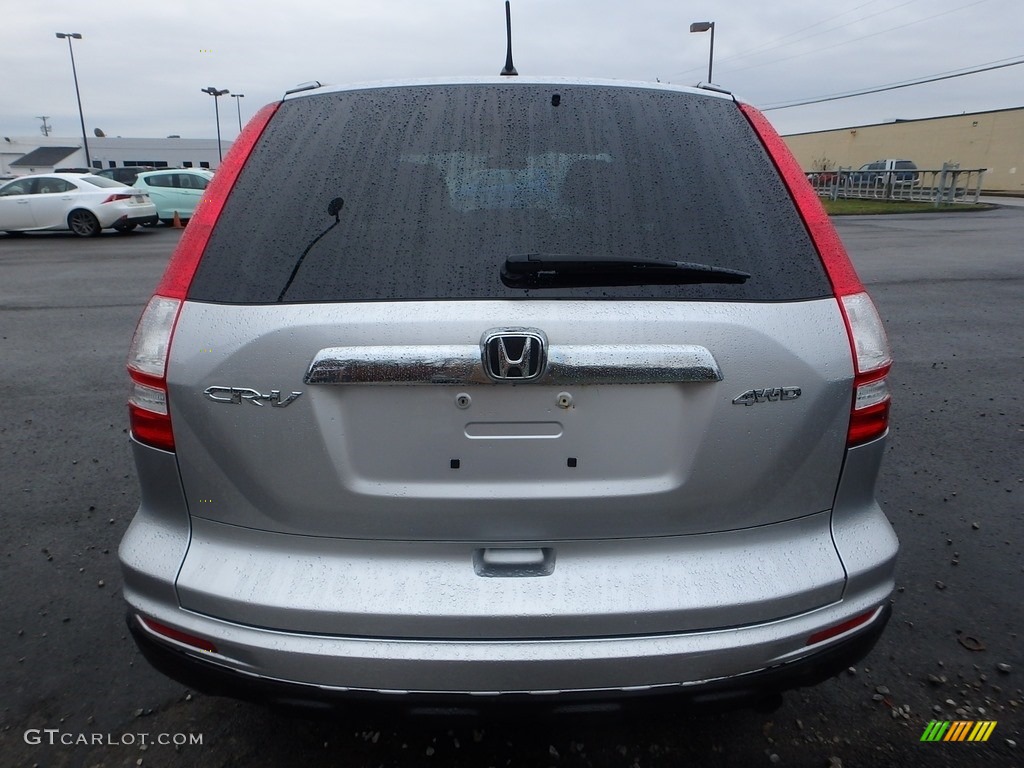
<point x="81" y="202"/>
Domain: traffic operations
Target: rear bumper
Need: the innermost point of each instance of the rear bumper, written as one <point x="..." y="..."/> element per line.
<point x="116" y="212"/>
<point x="139" y="219"/>
<point x="296" y="664"/>
<point x="204" y="672"/>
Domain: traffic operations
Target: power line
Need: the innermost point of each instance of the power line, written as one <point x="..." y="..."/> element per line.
<point x="780" y="42"/>
<point x="894" y="86"/>
<point x="857" y="39"/>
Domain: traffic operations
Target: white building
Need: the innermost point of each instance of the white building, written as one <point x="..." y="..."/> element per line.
<point x="20" y="155"/>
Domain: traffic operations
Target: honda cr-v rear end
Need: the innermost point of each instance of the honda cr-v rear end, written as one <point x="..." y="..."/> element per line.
<point x="504" y="387"/>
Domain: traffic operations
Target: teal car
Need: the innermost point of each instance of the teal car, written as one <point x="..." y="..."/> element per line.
<point x="174" y="190"/>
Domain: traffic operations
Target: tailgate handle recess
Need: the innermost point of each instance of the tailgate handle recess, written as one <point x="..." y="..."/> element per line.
<point x="514" y="561"/>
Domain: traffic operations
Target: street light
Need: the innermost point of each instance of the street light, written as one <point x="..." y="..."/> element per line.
<point x="216" y="110"/>
<point x="81" y="116"/>
<point x="704" y="26"/>
<point x="236" y="97"/>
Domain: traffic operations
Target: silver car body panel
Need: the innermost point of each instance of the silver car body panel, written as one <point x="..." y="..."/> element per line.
<point x="432" y="589"/>
<point x="625" y="663"/>
<point x="520" y="80"/>
<point x="373" y="462"/>
<point x="153" y="549"/>
<point x="366" y="511"/>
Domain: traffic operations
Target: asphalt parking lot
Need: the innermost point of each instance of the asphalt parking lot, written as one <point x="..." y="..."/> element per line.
<point x="76" y="692"/>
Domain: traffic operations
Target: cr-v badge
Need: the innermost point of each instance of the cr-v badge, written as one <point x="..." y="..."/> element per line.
<point x="238" y="394"/>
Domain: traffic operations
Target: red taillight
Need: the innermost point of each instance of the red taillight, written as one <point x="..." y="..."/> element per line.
<point x="114" y="198"/>
<point x="869" y="412"/>
<point x="176" y="634"/>
<point x="148" y="409"/>
<point x="182" y="266"/>
<point x="868" y="423"/>
<point x="869" y="416"/>
<point x="839" y="629"/>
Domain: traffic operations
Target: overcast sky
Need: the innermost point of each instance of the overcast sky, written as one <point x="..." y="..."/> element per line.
<point x="141" y="64"/>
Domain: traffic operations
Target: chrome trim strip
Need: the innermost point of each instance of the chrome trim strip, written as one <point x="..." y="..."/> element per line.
<point x="631" y="364"/>
<point x="452" y="364"/>
<point x="462" y="364"/>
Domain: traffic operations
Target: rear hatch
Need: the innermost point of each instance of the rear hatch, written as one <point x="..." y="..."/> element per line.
<point x="378" y="441"/>
<point x="350" y="364"/>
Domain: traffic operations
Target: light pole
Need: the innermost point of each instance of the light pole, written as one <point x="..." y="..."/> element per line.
<point x="81" y="116"/>
<point x="216" y="110"/>
<point x="704" y="26"/>
<point x="236" y="97"/>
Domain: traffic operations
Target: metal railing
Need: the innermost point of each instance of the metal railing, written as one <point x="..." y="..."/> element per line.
<point x="946" y="185"/>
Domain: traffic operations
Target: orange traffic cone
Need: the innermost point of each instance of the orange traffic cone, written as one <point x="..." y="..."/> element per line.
<point x="176" y="223"/>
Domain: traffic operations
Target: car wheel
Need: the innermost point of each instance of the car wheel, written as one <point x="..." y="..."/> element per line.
<point x="124" y="227"/>
<point x="83" y="223"/>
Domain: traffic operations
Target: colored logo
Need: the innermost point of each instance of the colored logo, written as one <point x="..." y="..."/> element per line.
<point x="958" y="730"/>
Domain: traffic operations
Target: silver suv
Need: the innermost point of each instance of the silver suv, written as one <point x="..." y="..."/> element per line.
<point x="508" y="389"/>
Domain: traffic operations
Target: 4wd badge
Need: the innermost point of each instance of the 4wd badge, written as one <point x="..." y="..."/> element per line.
<point x="767" y="395"/>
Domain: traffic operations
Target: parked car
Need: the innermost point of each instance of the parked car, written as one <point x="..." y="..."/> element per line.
<point x="83" y="203"/>
<point x="882" y="172"/>
<point x="823" y="178"/>
<point x="508" y="389"/>
<point x="126" y="174"/>
<point x="175" y="191"/>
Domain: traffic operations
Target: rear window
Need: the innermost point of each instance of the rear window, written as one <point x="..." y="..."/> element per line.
<point x="53" y="186"/>
<point x="191" y="181"/>
<point x="441" y="183"/>
<point x="20" y="187"/>
<point x="100" y="181"/>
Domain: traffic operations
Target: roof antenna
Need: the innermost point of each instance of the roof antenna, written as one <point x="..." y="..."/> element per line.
<point x="509" y="70"/>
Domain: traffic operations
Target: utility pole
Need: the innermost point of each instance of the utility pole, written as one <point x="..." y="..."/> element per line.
<point x="44" y="128"/>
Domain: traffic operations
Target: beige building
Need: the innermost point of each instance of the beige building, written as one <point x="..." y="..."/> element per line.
<point x="992" y="140"/>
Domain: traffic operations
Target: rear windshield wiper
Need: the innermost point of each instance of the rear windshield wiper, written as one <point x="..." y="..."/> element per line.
<point x="333" y="209"/>
<point x="562" y="270"/>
